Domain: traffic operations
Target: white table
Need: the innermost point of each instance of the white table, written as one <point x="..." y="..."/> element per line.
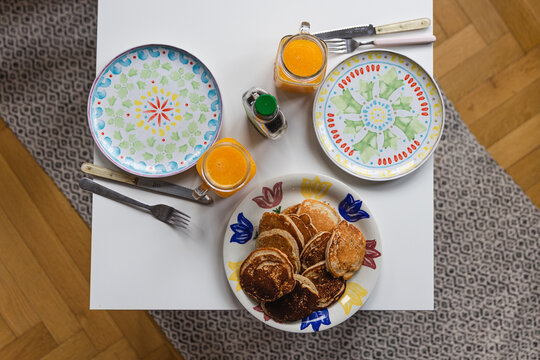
<point x="140" y="263"/>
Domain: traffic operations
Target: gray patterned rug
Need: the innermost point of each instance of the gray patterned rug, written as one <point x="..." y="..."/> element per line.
<point x="486" y="229"/>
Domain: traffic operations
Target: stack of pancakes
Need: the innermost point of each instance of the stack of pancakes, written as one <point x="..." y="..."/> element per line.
<point x="302" y="260"/>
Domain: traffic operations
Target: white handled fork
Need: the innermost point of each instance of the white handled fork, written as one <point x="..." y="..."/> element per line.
<point x="344" y="46"/>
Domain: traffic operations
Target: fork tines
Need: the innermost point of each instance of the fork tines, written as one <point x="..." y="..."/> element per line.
<point x="336" y="45"/>
<point x="179" y="219"/>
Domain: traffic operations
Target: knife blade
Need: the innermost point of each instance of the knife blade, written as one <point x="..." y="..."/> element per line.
<point x="364" y="30"/>
<point x="155" y="185"/>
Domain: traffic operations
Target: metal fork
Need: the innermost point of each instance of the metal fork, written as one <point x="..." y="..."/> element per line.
<point x="165" y="213"/>
<point x="344" y="46"/>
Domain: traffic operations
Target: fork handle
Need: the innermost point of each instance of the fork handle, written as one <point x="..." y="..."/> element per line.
<point x="90" y="185"/>
<point x="405" y="41"/>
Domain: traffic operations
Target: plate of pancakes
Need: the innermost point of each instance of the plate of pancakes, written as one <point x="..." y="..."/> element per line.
<point x="302" y="252"/>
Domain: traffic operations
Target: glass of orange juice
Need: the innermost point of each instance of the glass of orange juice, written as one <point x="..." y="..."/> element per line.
<point x="225" y="168"/>
<point x="300" y="63"/>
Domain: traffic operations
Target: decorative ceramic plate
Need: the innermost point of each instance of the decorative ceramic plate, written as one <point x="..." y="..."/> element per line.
<point x="154" y="110"/>
<point x="378" y="115"/>
<point x="278" y="194"/>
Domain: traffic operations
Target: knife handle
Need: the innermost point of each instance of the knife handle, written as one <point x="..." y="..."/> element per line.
<point x="108" y="173"/>
<point x="403" y="26"/>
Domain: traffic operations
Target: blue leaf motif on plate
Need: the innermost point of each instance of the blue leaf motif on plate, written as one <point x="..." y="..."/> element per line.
<point x="183" y="59"/>
<point x="316" y="319"/>
<point x="104" y="83"/>
<point x="160" y="169"/>
<point x="124" y="61"/>
<point x="171" y="55"/>
<point x="214" y="106"/>
<point x="116" y="69"/>
<point x="153" y="52"/>
<point x="204" y="77"/>
<point x="350" y="209"/>
<point x="243" y="230"/>
<point x="141" y="54"/>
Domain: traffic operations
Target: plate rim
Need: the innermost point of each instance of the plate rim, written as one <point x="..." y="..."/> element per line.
<point x="360" y="176"/>
<point x="93" y="88"/>
<point x="256" y="190"/>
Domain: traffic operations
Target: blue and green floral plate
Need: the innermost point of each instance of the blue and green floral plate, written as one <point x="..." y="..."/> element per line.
<point x="154" y="110"/>
<point x="378" y="115"/>
<point x="278" y="194"/>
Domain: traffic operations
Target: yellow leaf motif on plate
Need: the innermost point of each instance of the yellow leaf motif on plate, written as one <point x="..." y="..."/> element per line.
<point x="315" y="188"/>
<point x="353" y="296"/>
<point x="235" y="276"/>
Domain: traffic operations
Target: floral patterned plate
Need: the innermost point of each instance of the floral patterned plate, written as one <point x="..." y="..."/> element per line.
<point x="154" y="110"/>
<point x="378" y="115"/>
<point x="278" y="194"/>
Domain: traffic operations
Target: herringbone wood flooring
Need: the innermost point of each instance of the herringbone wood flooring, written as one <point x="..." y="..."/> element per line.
<point x="487" y="59"/>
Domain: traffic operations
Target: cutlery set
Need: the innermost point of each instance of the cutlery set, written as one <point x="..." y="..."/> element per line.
<point x="340" y="41"/>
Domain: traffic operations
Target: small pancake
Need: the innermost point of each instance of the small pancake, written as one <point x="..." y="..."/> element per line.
<point x="295" y="305"/>
<point x="322" y="215"/>
<point x="281" y="240"/>
<point x="271" y="220"/>
<point x="307" y="220"/>
<point x="315" y="250"/>
<point x="266" y="274"/>
<point x="345" y="250"/>
<point x="291" y="210"/>
<point x="329" y="287"/>
<point x="307" y="231"/>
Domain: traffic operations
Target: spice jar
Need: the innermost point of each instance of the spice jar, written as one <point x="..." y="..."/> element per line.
<point x="263" y="112"/>
<point x="300" y="64"/>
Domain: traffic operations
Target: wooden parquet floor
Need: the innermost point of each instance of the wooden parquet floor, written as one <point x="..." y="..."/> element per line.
<point x="487" y="60"/>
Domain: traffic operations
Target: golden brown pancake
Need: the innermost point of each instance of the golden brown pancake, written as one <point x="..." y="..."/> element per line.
<point x="307" y="231"/>
<point x="307" y="220"/>
<point x="271" y="220"/>
<point x="295" y="305"/>
<point x="266" y="274"/>
<point x="345" y="250"/>
<point x="291" y="209"/>
<point x="281" y="240"/>
<point x="322" y="215"/>
<point x="315" y="250"/>
<point x="329" y="287"/>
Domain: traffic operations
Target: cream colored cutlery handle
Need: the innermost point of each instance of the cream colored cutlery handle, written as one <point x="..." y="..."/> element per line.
<point x="405" y="41"/>
<point x="403" y="26"/>
<point x="108" y="173"/>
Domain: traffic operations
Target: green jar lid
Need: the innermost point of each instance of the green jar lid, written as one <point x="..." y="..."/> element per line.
<point x="265" y="104"/>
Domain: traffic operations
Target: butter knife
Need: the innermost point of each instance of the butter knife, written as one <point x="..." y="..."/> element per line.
<point x="156" y="185"/>
<point x="364" y="30"/>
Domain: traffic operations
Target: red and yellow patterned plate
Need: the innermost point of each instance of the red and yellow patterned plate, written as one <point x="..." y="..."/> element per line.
<point x="378" y="115"/>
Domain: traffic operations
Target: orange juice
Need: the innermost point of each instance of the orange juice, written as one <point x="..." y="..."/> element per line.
<point x="225" y="168"/>
<point x="300" y="63"/>
<point x="303" y="57"/>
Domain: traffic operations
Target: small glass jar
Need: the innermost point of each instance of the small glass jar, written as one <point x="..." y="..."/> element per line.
<point x="264" y="113"/>
<point x="225" y="168"/>
<point x="300" y="64"/>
